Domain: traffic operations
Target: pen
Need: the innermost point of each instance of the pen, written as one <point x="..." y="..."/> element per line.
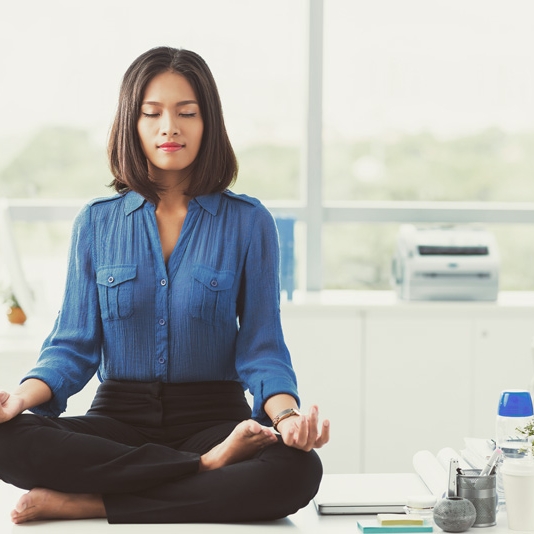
<point x="491" y="462"/>
<point x="491" y="444"/>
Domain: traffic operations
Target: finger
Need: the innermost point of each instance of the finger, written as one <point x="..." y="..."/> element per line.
<point x="324" y="437"/>
<point x="313" y="427"/>
<point x="293" y="436"/>
<point x="289" y="431"/>
<point x="308" y="440"/>
<point x="301" y="436"/>
<point x="4" y="395"/>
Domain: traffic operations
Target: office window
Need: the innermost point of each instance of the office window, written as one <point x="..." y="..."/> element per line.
<point x="423" y="101"/>
<point x="43" y="249"/>
<point x="426" y="101"/>
<point x="359" y="256"/>
<point x="62" y="85"/>
<point x="62" y="64"/>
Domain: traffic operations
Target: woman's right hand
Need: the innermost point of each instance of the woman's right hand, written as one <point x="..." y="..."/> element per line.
<point x="30" y="393"/>
<point x="11" y="405"/>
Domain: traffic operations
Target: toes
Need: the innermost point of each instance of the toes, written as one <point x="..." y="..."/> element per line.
<point x="271" y="436"/>
<point x="17" y="517"/>
<point x="22" y="504"/>
<point x="254" y="427"/>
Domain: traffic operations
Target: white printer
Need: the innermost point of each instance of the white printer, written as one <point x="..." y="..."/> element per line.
<point x="445" y="263"/>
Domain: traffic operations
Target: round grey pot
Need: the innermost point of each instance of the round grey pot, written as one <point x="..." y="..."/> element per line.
<point x="454" y="514"/>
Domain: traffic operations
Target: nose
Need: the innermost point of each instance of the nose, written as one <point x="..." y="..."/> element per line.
<point x="169" y="124"/>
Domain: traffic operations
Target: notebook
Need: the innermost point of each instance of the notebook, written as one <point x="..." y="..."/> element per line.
<point x="367" y="493"/>
<point x="371" y="526"/>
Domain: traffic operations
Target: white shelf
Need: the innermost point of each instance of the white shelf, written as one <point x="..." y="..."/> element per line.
<point x="367" y="300"/>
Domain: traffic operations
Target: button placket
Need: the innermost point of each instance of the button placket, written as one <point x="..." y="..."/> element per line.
<point x="162" y="332"/>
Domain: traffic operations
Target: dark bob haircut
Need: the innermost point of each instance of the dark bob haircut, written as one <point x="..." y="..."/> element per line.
<point x="215" y="167"/>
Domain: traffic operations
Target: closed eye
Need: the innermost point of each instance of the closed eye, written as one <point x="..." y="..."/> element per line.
<point x="188" y="115"/>
<point x="150" y="115"/>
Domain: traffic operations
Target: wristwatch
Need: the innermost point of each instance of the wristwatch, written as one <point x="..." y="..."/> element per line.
<point x="284" y="414"/>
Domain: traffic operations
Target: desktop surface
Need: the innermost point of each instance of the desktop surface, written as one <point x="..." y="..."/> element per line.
<point x="305" y="521"/>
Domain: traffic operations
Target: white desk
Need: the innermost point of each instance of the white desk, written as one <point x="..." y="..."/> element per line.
<point x="306" y="521"/>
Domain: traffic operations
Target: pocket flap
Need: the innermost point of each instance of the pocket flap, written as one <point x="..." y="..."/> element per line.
<point x="212" y="279"/>
<point x="112" y="275"/>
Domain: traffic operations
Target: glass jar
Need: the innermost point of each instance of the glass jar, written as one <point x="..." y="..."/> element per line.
<point x="421" y="505"/>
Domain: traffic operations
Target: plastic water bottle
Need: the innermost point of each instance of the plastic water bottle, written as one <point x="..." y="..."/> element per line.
<point x="515" y="411"/>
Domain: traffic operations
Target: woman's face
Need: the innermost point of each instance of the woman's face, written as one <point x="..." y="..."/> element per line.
<point x="170" y="126"/>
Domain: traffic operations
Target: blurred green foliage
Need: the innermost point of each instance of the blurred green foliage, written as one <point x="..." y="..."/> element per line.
<point x="59" y="162"/>
<point x="491" y="165"/>
<point x="269" y="172"/>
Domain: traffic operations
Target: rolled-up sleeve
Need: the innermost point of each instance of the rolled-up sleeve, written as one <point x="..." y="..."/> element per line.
<point x="262" y="357"/>
<point x="70" y="355"/>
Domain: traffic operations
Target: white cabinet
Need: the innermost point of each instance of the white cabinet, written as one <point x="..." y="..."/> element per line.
<point x="397" y="377"/>
<point x="502" y="359"/>
<point x="325" y="349"/>
<point x="417" y="386"/>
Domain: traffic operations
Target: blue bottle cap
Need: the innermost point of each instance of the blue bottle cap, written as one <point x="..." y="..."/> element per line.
<point x="515" y="403"/>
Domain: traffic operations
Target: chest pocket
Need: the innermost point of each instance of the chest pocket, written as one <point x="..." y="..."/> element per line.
<point x="211" y="295"/>
<point x="115" y="291"/>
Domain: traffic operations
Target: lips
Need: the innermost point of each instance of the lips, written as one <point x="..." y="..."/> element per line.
<point x="170" y="147"/>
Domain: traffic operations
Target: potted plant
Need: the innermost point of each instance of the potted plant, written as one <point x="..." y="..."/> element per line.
<point x="15" y="314"/>
<point x="528" y="431"/>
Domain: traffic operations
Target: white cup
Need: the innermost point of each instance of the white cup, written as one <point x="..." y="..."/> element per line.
<point x="518" y="481"/>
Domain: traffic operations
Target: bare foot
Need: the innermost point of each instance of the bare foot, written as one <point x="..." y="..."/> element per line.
<point x="247" y="438"/>
<point x="40" y="503"/>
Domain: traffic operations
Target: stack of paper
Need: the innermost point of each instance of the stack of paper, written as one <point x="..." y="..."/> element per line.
<point x="373" y="526"/>
<point x="477" y="452"/>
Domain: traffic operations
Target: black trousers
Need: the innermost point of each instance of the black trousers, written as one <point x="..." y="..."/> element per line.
<point x="139" y="446"/>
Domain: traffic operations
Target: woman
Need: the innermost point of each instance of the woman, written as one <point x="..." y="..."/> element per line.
<point x="172" y="296"/>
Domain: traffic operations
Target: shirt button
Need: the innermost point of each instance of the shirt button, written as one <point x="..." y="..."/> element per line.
<point x="162" y="322"/>
<point x="163" y="282"/>
<point x="111" y="279"/>
<point x="214" y="283"/>
<point x="161" y="360"/>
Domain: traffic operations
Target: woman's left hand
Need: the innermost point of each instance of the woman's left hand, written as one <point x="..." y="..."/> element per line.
<point x="303" y="432"/>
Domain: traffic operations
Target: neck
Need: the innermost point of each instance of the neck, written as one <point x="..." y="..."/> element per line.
<point x="173" y="199"/>
<point x="175" y="183"/>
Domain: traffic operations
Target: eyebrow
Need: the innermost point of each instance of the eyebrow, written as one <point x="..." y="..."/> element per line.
<point x="181" y="103"/>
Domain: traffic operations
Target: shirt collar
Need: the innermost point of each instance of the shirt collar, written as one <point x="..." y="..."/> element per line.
<point x="132" y="201"/>
<point x="210" y="202"/>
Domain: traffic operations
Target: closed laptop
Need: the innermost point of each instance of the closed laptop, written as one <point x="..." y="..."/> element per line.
<point x="367" y="493"/>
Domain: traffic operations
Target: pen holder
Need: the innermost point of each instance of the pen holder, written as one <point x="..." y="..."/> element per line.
<point x="482" y="492"/>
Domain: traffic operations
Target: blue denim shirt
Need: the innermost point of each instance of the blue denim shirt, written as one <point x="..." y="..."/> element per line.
<point x="211" y="313"/>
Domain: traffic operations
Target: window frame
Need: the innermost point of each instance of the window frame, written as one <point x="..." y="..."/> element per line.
<point x="311" y="209"/>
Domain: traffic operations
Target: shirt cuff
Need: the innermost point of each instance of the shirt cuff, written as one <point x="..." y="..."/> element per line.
<point x="58" y="403"/>
<point x="269" y="388"/>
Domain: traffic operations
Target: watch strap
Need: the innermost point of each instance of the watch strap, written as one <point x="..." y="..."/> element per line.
<point x="284" y="414"/>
